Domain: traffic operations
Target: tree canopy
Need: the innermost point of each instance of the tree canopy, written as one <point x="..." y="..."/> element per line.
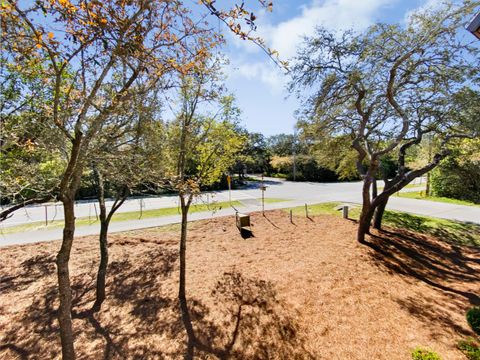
<point x="388" y="87"/>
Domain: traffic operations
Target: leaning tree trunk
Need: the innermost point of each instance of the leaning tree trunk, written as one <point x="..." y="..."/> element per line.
<point x="187" y="322"/>
<point x="364" y="223"/>
<point x="367" y="210"/>
<point x="380" y="206"/>
<point x="378" y="214"/>
<point x="64" y="289"/>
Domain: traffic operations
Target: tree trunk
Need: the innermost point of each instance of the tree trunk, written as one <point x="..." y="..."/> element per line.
<point x="378" y="214"/>
<point x="187" y="322"/>
<point x="367" y="210"/>
<point x="103" y="241"/>
<point x="427" y="188"/>
<point x="105" y="219"/>
<point x="364" y="223"/>
<point x="64" y="288"/>
<point x="102" y="267"/>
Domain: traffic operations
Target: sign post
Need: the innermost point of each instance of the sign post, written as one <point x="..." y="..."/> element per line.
<point x="229" y="181"/>
<point x="263" y="188"/>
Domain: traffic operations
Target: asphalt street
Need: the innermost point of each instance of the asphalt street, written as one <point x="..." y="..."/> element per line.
<point x="295" y="193"/>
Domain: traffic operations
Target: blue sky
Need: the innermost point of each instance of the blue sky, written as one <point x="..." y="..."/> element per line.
<point x="259" y="85"/>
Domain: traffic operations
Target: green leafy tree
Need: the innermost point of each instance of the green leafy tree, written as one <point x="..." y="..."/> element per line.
<point x="82" y="48"/>
<point x="123" y="159"/>
<point x="458" y="176"/>
<point x="255" y="156"/>
<point x="200" y="148"/>
<point x="30" y="159"/>
<point x="386" y="89"/>
<point x="286" y="145"/>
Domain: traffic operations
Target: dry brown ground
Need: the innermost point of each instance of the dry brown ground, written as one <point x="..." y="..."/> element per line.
<point x="304" y="291"/>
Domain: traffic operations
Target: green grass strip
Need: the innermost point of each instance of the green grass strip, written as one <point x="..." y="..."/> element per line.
<point x="452" y="231"/>
<point x="272" y="200"/>
<point x="125" y="216"/>
<point x="421" y="196"/>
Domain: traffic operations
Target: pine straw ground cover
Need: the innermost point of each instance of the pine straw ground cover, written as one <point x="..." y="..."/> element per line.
<point x="293" y="291"/>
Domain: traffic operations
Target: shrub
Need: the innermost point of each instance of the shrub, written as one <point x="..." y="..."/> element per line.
<point x="470" y="348"/>
<point x="473" y="318"/>
<point x="307" y="169"/>
<point x="457" y="179"/>
<point x="282" y="164"/>
<point x="424" y="354"/>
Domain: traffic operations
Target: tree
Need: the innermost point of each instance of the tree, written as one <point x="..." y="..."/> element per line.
<point x="306" y="168"/>
<point x="458" y="176"/>
<point x="255" y="155"/>
<point x="333" y="153"/>
<point x="123" y="159"/>
<point x="81" y="47"/>
<point x="386" y="89"/>
<point x="31" y="166"/>
<point x="285" y="145"/>
<point x="200" y="150"/>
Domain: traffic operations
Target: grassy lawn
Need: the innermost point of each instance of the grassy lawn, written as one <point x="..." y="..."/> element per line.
<point x="133" y="215"/>
<point x="448" y="230"/>
<point x="327" y="208"/>
<point x="273" y="200"/>
<point x="421" y="196"/>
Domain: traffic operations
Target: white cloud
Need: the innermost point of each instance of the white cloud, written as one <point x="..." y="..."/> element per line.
<point x="266" y="72"/>
<point x="332" y="14"/>
<point x="286" y="35"/>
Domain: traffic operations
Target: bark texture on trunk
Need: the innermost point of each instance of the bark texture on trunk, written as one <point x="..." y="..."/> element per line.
<point x="367" y="208"/>
<point x="103" y="242"/>
<point x="102" y="267"/>
<point x="378" y="214"/>
<point x="105" y="219"/>
<point x="187" y="321"/>
<point x="64" y="288"/>
<point x="374" y="189"/>
<point x="364" y="223"/>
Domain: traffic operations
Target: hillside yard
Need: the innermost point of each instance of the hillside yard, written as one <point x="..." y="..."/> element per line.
<point x="306" y="290"/>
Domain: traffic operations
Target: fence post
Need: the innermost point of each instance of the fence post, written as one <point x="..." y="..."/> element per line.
<point x="345" y="212"/>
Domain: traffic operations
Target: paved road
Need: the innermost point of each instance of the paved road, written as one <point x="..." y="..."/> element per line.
<point x="295" y="193"/>
<point x="306" y="192"/>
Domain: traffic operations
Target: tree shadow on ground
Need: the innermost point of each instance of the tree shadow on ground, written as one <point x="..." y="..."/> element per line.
<point x="449" y="269"/>
<point x="255" y="323"/>
<point x="36" y="267"/>
<point x="457" y="232"/>
<point x="141" y="318"/>
<point x="431" y="262"/>
<point x="436" y="316"/>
